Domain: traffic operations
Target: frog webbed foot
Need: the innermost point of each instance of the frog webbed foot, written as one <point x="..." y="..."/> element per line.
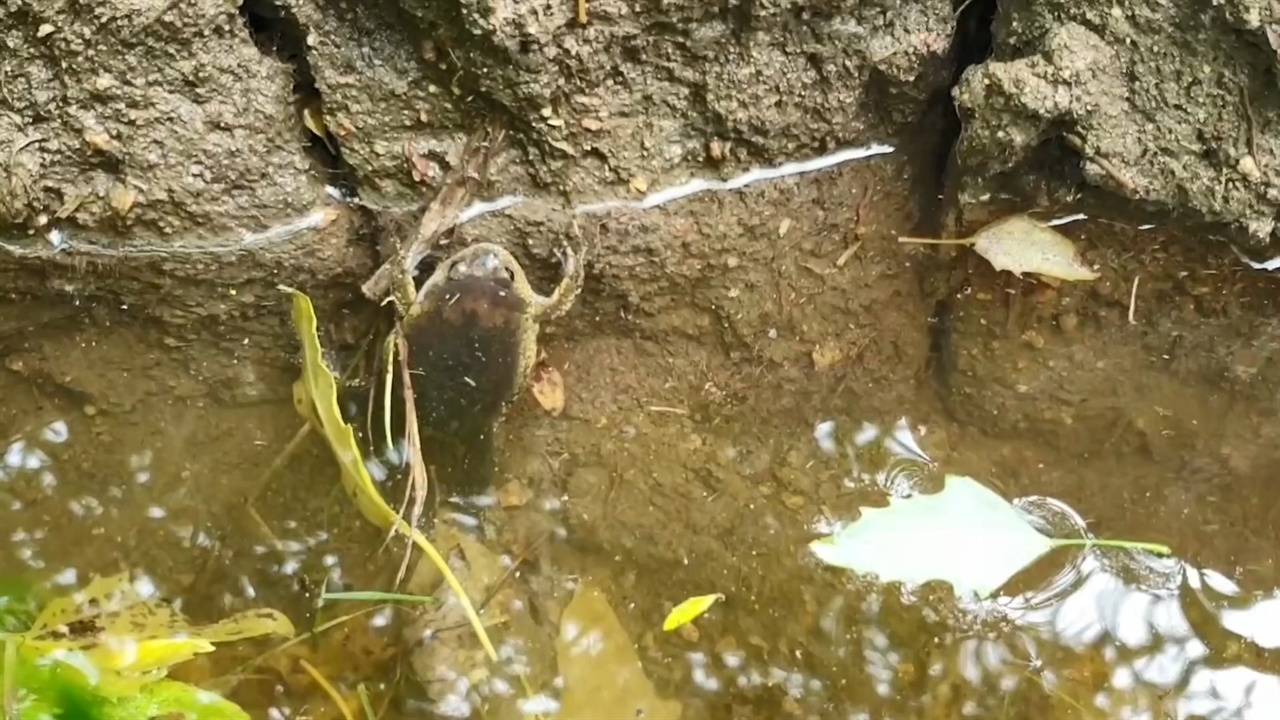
<point x="573" y="274"/>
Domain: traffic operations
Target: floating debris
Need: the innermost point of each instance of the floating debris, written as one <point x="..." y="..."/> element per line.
<point x="690" y="610"/>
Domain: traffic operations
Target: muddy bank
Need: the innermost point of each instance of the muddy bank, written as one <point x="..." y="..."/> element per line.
<point x="198" y="129"/>
<point x="1173" y="105"/>
<point x="192" y="127"/>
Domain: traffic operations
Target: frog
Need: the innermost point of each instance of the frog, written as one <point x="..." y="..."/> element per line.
<point x="472" y="335"/>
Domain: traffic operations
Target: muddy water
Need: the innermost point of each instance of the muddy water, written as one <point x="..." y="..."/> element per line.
<point x="686" y="463"/>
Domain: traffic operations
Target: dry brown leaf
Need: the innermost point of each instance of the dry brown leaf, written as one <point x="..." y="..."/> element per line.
<point x="1021" y="244"/>
<point x="548" y="390"/>
<point x="313" y="121"/>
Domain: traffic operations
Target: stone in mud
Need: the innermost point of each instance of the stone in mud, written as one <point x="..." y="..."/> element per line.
<point x="1178" y="100"/>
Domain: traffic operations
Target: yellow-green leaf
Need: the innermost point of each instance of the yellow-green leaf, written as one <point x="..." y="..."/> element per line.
<point x="110" y="629"/>
<point x="689" y="610"/>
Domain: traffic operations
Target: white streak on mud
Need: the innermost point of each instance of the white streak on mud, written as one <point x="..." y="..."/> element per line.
<point x="62" y="242"/>
<point x="318" y="218"/>
<point x="1067" y="219"/>
<point x="693" y="187"/>
<point x="283" y="231"/>
<point x="484" y="207"/>
<point x="1272" y="264"/>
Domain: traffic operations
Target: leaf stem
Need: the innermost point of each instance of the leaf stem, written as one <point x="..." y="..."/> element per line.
<point x="936" y="241"/>
<point x="1150" y="547"/>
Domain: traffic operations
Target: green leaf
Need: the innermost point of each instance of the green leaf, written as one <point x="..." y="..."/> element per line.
<point x="377" y="596"/>
<point x="965" y="535"/>
<point x="168" y="698"/>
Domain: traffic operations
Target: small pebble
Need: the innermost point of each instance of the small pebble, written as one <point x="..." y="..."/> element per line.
<point x="1069" y="322"/>
<point x="90" y="410"/>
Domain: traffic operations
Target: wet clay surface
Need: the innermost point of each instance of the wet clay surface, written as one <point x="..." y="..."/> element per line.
<point x="148" y="359"/>
<point x="684" y="462"/>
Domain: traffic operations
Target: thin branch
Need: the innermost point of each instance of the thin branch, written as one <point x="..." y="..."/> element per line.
<point x="440" y="216"/>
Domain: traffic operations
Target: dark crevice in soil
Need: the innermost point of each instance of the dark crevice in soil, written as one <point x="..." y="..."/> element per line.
<point x="277" y="33"/>
<point x="740" y="14"/>
<point x="934" y="135"/>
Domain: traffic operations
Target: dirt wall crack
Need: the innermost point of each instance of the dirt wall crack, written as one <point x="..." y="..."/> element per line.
<point x="934" y="135"/>
<point x="278" y="34"/>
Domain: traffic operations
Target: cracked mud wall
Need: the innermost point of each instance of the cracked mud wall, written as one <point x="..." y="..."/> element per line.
<point x="145" y="119"/>
<point x="1176" y="105"/>
<point x="642" y="90"/>
<point x="143" y="126"/>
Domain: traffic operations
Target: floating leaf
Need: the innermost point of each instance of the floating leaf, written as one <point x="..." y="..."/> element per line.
<point x="1021" y="244"/>
<point x="548" y="390"/>
<point x="603" y="677"/>
<point x="689" y="610"/>
<point x="315" y="395"/>
<point x="115" y="630"/>
<point x="965" y="535"/>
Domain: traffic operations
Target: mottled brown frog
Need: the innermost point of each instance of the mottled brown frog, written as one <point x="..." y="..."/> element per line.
<point x="473" y="342"/>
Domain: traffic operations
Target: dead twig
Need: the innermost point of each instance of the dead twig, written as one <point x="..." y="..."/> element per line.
<point x="417" y="467"/>
<point x="1133" y="299"/>
<point x="441" y="214"/>
<point x="1252" y="126"/>
<point x="1105" y="165"/>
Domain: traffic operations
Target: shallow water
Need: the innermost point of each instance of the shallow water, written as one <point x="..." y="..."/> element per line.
<point x="681" y="469"/>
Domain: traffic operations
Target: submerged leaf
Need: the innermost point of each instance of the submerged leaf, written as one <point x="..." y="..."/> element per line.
<point x="111" y="628"/>
<point x="965" y="535"/>
<point x="603" y="677"/>
<point x="1021" y="244"/>
<point x="170" y="699"/>
<point x="690" y="610"/>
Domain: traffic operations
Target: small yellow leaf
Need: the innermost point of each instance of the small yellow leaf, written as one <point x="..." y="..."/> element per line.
<point x="313" y="120"/>
<point x="548" y="389"/>
<point x="689" y="610"/>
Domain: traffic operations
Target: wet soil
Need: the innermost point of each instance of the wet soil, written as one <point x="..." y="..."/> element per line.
<point x="684" y="461"/>
<point x="148" y="356"/>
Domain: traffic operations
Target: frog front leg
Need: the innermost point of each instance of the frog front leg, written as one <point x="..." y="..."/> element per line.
<point x="566" y="293"/>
